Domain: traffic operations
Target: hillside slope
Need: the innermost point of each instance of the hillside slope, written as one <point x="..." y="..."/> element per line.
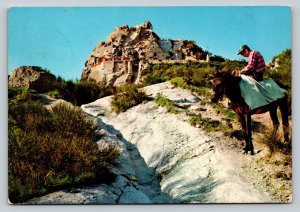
<point x="166" y="160"/>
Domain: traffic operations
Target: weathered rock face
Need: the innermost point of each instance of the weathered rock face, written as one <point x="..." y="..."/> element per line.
<point x="32" y="77"/>
<point x="124" y="56"/>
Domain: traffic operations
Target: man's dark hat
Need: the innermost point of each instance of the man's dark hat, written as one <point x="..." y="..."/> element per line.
<point x="242" y="48"/>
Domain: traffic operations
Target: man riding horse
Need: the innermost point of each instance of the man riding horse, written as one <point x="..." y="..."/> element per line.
<point x="250" y="93"/>
<point x="256" y="64"/>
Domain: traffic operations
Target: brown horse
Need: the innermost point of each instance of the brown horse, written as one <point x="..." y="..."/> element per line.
<point x="228" y="85"/>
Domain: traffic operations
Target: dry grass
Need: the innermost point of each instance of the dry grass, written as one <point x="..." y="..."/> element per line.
<point x="49" y="150"/>
<point x="274" y="140"/>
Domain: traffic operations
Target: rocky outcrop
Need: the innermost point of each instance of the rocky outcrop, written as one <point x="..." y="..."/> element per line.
<point x="32" y="77"/>
<point x="124" y="56"/>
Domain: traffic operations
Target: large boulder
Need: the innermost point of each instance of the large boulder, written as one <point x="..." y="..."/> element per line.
<point x="124" y="56"/>
<point x="32" y="77"/>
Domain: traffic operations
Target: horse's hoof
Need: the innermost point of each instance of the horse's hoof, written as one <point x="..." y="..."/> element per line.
<point x="246" y="152"/>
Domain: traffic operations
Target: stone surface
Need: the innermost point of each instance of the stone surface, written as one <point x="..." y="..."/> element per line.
<point x="166" y="160"/>
<point x="191" y="166"/>
<point x="124" y="56"/>
<point x="32" y="77"/>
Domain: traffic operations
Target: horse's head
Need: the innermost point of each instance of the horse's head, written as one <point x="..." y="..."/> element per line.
<point x="218" y="87"/>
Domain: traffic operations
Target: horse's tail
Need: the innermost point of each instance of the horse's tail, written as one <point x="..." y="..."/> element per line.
<point x="283" y="106"/>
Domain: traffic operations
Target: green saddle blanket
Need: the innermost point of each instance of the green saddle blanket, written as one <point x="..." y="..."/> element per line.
<point x="257" y="94"/>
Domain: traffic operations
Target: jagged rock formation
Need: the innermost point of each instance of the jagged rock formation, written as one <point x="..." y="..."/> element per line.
<point x="32" y="77"/>
<point x="124" y="56"/>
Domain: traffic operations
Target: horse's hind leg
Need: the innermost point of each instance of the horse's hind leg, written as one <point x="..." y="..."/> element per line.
<point x="285" y="117"/>
<point x="249" y="134"/>
<point x="243" y="124"/>
<point x="273" y="115"/>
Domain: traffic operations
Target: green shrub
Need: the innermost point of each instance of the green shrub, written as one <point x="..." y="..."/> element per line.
<point x="54" y="94"/>
<point x="167" y="103"/>
<point x="193" y="73"/>
<point x="282" y="73"/>
<point x="78" y="92"/>
<point x="179" y="82"/>
<point x="49" y="150"/>
<point x="20" y="94"/>
<point x="195" y="119"/>
<point x="150" y="80"/>
<point x="209" y="124"/>
<point x="83" y="92"/>
<point x="126" y="97"/>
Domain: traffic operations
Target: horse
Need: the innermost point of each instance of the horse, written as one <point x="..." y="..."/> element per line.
<point x="228" y="85"/>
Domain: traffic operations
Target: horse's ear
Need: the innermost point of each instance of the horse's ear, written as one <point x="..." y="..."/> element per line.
<point x="218" y="74"/>
<point x="235" y="72"/>
<point x="210" y="77"/>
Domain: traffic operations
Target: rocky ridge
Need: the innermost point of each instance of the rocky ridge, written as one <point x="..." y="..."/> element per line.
<point x="32" y="77"/>
<point x="124" y="56"/>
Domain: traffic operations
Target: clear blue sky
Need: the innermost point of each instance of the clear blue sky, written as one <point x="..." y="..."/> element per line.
<point x="61" y="39"/>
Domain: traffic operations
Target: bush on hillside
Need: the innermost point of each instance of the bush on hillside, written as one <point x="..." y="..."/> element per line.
<point x="179" y="82"/>
<point x="282" y="73"/>
<point x="167" y="103"/>
<point x="82" y="92"/>
<point x="77" y="92"/>
<point x="126" y="97"/>
<point x="217" y="58"/>
<point x="51" y="150"/>
<point x="193" y="73"/>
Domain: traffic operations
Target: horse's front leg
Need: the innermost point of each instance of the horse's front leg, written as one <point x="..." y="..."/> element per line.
<point x="242" y="119"/>
<point x="249" y="133"/>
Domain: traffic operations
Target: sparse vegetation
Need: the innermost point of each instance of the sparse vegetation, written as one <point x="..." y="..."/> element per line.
<point x="275" y="142"/>
<point x="229" y="114"/>
<point x="193" y="76"/>
<point x="179" y="82"/>
<point x="49" y="150"/>
<point x="209" y="124"/>
<point x="79" y="92"/>
<point x="126" y="97"/>
<point x="167" y="103"/>
<point x="283" y="71"/>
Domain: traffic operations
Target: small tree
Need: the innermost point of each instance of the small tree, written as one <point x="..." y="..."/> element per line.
<point x="126" y="97"/>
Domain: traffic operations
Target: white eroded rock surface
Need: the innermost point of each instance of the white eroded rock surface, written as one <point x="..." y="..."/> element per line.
<point x="163" y="159"/>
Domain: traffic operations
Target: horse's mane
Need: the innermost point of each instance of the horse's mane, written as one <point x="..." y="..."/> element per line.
<point x="232" y="88"/>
